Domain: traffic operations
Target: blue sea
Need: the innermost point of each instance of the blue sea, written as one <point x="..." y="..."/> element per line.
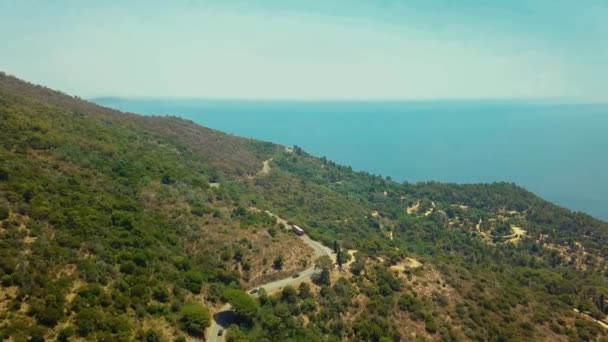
<point x="559" y="151"/>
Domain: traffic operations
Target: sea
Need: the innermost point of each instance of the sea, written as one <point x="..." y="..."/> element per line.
<point x="557" y="150"/>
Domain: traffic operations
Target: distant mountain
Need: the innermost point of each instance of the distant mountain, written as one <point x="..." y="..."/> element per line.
<point x="115" y="226"/>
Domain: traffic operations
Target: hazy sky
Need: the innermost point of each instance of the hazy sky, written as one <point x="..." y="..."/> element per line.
<point x="311" y="49"/>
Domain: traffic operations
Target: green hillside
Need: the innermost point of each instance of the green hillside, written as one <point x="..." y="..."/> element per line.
<point x="115" y="226"/>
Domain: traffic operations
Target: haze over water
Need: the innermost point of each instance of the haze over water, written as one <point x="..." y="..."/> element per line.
<point x="558" y="151"/>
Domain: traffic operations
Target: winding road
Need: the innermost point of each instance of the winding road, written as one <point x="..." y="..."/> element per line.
<point x="223" y="318"/>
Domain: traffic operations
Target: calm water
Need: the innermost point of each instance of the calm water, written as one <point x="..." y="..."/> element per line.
<point x="557" y="151"/>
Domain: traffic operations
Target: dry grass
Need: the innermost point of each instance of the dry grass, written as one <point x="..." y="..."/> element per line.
<point x="407" y="264"/>
<point x="76" y="285"/>
<point x="6" y="295"/>
<point x="164" y="328"/>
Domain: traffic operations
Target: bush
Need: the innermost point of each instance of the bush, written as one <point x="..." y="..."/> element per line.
<point x="152" y="336"/>
<point x="65" y="334"/>
<point x="278" y="262"/>
<point x="4" y="211"/>
<point x="194" y="319"/>
<point x="4" y="176"/>
<point x="7" y="280"/>
<point x="430" y="324"/>
<point x="160" y="294"/>
<point x="85" y="321"/>
<point x="128" y="267"/>
<point x="193" y="281"/>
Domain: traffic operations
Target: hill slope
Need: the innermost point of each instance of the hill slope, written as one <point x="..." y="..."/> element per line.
<point x="117" y="226"/>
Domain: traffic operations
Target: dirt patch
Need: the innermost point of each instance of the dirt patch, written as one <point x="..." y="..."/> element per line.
<point x="346" y="266"/>
<point x="77" y="284"/>
<point x="518" y="234"/>
<point x="68" y="270"/>
<point x="413" y="208"/>
<point x="265" y="167"/>
<point x="431" y="209"/>
<point x="29" y="239"/>
<point x="6" y="295"/>
<point x="408" y="263"/>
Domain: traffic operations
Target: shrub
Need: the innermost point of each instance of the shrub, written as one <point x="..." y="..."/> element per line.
<point x="152" y="336"/>
<point x="278" y="262"/>
<point x="193" y="281"/>
<point x="4" y="211"/>
<point x="430" y="324"/>
<point x="160" y="294"/>
<point x="65" y="334"/>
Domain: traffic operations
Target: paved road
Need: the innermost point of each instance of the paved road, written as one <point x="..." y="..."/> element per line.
<point x="223" y="318"/>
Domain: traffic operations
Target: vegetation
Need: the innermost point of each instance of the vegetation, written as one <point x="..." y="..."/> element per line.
<point x="111" y="223"/>
<point x="194" y="318"/>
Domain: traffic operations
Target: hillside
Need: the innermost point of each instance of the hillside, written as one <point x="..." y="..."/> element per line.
<point x="116" y="226"/>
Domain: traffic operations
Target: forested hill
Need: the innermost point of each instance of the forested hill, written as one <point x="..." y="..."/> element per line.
<point x="115" y="226"/>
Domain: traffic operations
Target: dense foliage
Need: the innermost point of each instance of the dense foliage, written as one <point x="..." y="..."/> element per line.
<point x="115" y="226"/>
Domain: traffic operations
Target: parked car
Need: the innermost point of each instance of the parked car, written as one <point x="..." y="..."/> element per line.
<point x="254" y="291"/>
<point x="296" y="275"/>
<point x="221" y="332"/>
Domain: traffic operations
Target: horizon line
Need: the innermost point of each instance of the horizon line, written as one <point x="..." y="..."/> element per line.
<point x="528" y="100"/>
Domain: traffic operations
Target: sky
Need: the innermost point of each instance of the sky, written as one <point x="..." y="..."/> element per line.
<point x="313" y="49"/>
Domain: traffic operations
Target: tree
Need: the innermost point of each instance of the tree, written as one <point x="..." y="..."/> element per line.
<point x="358" y="265"/>
<point x="194" y="318"/>
<point x="278" y="262"/>
<point x="244" y="306"/>
<point x="263" y="296"/>
<point x="503" y="229"/>
<point x="305" y="291"/>
<point x="325" y="264"/>
<point x="289" y="294"/>
<point x="339" y="257"/>
<point x="324" y="278"/>
<point x="336" y="247"/>
<point x="47" y="311"/>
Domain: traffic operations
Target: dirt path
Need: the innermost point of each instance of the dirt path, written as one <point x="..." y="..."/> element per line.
<point x="602" y="323"/>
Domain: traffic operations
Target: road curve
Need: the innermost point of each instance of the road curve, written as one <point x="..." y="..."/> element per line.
<point x="223" y="318"/>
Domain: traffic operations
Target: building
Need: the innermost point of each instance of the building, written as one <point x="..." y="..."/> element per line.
<point x="297" y="230"/>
